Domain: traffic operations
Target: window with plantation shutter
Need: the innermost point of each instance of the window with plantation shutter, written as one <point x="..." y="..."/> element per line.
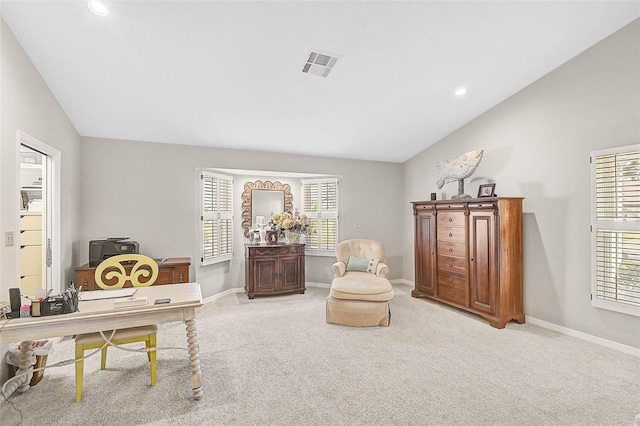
<point x="216" y="218"/>
<point x="615" y="181"/>
<point x="320" y="204"/>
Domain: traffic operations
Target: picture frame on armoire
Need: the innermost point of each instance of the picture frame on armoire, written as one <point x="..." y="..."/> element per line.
<point x="487" y="190"/>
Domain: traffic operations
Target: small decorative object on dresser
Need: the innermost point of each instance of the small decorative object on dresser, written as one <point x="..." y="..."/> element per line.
<point x="457" y="169"/>
<point x="468" y="254"/>
<point x="272" y="236"/>
<point x="487" y="190"/>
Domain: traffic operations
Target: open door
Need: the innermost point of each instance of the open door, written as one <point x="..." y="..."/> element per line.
<point x="38" y="225"/>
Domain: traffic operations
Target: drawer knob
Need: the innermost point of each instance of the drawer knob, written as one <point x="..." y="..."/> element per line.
<point x="450" y="234"/>
<point x="450" y="249"/>
<point x="451" y="294"/>
<point x="450" y="219"/>
<point x="450" y="279"/>
<point x="450" y="265"/>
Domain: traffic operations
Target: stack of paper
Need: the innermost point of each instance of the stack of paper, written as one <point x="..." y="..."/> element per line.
<point x="130" y="302"/>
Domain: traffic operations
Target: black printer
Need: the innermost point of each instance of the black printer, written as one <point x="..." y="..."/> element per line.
<point x="99" y="250"/>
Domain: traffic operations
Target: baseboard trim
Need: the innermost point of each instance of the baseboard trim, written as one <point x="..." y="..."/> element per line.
<point x="224" y="293"/>
<point x="584" y="336"/>
<point x="241" y="290"/>
<point x="402" y="281"/>
<point x="320" y="285"/>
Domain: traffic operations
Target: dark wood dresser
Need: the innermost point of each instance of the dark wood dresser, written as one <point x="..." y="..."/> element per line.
<point x="173" y="270"/>
<point x="468" y="254"/>
<point x="274" y="269"/>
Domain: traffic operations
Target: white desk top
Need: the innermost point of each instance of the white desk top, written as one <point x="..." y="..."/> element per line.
<point x="97" y="315"/>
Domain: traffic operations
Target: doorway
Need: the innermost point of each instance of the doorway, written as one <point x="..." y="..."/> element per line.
<point x="38" y="224"/>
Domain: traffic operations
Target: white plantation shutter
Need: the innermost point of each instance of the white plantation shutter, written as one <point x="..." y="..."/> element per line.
<point x="320" y="204"/>
<point x="216" y="218"/>
<point x="615" y="176"/>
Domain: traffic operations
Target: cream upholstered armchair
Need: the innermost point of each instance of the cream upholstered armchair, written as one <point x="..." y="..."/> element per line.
<point x="360" y="291"/>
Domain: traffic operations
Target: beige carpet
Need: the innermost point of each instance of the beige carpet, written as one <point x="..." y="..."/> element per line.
<point x="274" y="361"/>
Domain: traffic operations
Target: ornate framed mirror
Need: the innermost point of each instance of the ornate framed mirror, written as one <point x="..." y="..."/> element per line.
<point x="263" y="198"/>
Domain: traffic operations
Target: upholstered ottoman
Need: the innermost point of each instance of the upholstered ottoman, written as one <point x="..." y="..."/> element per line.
<point x="359" y="300"/>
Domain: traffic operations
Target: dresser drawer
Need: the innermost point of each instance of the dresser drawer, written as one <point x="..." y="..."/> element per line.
<point x="452" y="294"/>
<point x="31" y="260"/>
<point x="30" y="238"/>
<point x="448" y="233"/>
<point x="450" y="264"/>
<point x="31" y="221"/>
<point x="274" y="250"/>
<point x="451" y="280"/>
<point x="451" y="248"/>
<point x="451" y="219"/>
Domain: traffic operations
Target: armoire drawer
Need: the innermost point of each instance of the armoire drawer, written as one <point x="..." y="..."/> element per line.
<point x="451" y="280"/>
<point x="452" y="294"/>
<point x="451" y="264"/>
<point x="451" y="219"/>
<point x="450" y="233"/>
<point x="451" y="248"/>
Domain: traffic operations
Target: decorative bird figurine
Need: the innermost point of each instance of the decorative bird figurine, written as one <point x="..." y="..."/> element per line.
<point x="457" y="169"/>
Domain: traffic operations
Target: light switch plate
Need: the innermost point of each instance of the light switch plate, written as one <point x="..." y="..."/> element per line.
<point x="8" y="238"/>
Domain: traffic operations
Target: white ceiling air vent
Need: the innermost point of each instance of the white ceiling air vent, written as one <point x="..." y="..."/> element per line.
<point x="319" y="64"/>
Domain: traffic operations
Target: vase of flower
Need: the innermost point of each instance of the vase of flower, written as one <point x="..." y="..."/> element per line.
<point x="294" y="225"/>
<point x="294" y="237"/>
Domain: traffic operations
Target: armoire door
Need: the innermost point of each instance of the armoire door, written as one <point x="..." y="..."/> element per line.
<point x="483" y="261"/>
<point x="425" y="252"/>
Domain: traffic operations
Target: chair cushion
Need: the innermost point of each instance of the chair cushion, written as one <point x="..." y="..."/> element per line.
<point x="125" y="333"/>
<point x="358" y="264"/>
<point x="361" y="286"/>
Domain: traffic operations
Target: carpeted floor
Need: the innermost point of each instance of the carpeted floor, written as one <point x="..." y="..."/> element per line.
<point x="274" y="361"/>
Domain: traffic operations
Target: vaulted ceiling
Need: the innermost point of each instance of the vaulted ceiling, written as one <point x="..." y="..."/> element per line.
<point x="229" y="74"/>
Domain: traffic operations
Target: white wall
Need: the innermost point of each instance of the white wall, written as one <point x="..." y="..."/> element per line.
<point x="537" y="146"/>
<point x="27" y="104"/>
<point x="148" y="191"/>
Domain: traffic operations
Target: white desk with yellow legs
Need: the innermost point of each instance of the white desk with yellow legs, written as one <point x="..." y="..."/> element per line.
<point x="97" y="315"/>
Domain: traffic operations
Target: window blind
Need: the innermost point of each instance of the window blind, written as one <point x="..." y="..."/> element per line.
<point x="618" y="186"/>
<point x="320" y="204"/>
<point x="216" y="218"/>
<point x="616" y="229"/>
<point x="618" y="266"/>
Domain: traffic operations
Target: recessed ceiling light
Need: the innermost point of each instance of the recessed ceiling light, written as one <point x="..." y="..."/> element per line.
<point x="98" y="8"/>
<point x="461" y="91"/>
